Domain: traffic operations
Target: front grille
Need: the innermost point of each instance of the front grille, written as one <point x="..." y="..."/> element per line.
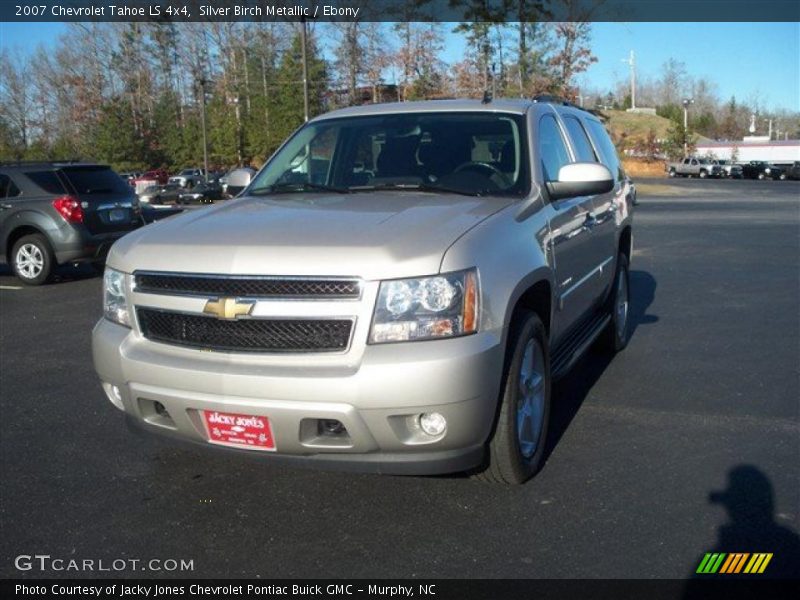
<point x="245" y="335"/>
<point x="247" y="287"/>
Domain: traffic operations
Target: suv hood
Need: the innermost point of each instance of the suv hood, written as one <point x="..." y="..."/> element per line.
<point x="373" y="235"/>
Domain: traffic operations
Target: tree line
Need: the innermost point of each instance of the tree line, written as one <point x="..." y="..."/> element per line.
<point x="130" y="94"/>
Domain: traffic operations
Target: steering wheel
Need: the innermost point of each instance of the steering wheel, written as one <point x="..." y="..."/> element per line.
<point x="495" y="175"/>
<point x="471" y="165"/>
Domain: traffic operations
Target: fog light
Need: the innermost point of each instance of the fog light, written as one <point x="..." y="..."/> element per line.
<point x="331" y="427"/>
<point x="161" y="410"/>
<point x="432" y="423"/>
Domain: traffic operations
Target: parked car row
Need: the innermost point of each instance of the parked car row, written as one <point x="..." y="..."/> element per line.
<point x="694" y="166"/>
<point x="189" y="186"/>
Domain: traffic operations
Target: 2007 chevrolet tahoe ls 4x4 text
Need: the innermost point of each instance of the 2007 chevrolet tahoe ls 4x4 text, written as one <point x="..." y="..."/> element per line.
<point x="394" y="291"/>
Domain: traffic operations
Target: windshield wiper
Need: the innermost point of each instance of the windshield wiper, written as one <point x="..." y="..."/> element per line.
<point x="302" y="186"/>
<point x="425" y="187"/>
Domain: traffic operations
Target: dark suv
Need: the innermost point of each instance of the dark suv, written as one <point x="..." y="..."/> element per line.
<point x="54" y="213"/>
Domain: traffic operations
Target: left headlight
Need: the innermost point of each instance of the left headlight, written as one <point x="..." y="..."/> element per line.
<point x="426" y="308"/>
<point x="115" y="304"/>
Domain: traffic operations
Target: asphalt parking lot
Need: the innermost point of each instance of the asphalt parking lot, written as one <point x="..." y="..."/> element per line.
<point x="686" y="443"/>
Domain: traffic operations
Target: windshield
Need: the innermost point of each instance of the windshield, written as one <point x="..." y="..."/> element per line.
<point x="464" y="153"/>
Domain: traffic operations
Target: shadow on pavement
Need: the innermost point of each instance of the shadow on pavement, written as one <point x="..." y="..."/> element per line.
<point x="751" y="529"/>
<point x="571" y="391"/>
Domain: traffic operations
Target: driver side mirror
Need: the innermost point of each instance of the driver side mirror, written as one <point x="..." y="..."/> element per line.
<point x="580" y="179"/>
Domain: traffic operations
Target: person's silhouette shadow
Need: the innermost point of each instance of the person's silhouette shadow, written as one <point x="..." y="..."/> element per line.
<point x="749" y="502"/>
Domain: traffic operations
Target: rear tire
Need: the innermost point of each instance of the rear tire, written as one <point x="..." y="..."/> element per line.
<point x="672" y="173"/>
<point x="703" y="174"/>
<point x="32" y="259"/>
<point x="517" y="445"/>
<point x="616" y="335"/>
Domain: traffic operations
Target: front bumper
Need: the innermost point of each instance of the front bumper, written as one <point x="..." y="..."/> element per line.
<point x="377" y="398"/>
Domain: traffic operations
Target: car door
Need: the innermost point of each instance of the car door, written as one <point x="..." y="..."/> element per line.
<point x="610" y="208"/>
<point x="570" y="231"/>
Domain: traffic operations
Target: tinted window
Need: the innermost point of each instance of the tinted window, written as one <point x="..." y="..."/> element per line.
<point x="608" y="153"/>
<point x="580" y="141"/>
<point x="95" y="180"/>
<point x="7" y="187"/>
<point x="47" y="181"/>
<point x="12" y="190"/>
<point x="552" y="149"/>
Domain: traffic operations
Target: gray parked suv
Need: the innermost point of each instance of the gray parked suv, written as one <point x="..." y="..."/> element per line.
<point x="54" y="213"/>
<point x="395" y="291"/>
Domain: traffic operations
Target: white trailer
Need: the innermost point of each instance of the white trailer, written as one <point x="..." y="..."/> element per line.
<point x="776" y="152"/>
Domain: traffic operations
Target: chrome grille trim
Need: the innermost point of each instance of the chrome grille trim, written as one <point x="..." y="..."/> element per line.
<point x="263" y="287"/>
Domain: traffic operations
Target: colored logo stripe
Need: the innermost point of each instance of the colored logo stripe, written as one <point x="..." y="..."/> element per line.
<point x="724" y="563"/>
<point x="758" y="563"/>
<point x="734" y="563"/>
<point x="711" y="562"/>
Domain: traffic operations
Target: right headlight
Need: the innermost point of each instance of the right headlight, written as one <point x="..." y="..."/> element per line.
<point x="424" y="308"/>
<point x="115" y="304"/>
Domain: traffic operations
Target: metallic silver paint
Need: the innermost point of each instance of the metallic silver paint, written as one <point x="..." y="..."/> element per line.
<point x="376" y="391"/>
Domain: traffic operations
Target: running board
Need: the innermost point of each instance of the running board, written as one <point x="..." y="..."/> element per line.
<point x="576" y="343"/>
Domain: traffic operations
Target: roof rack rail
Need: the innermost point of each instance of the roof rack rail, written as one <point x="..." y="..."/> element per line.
<point x="552" y="99"/>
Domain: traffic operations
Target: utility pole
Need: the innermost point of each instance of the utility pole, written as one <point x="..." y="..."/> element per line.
<point x="305" y="67"/>
<point x="632" y="63"/>
<point x="686" y="103"/>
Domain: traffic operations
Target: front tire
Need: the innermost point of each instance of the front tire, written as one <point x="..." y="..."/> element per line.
<point x="32" y="259"/>
<point x="517" y="445"/>
<point x="616" y="335"/>
<point x="703" y="174"/>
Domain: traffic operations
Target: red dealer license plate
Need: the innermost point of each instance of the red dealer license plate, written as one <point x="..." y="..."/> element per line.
<point x="240" y="431"/>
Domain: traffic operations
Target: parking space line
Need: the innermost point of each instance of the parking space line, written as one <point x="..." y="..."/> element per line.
<point x="10" y="287"/>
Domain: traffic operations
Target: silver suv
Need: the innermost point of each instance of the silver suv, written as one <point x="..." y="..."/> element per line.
<point x="395" y="291"/>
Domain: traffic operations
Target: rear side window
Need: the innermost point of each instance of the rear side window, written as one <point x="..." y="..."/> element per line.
<point x="552" y="149"/>
<point x="580" y="141"/>
<point x="608" y="153"/>
<point x="47" y="181"/>
<point x="95" y="180"/>
<point x="7" y="187"/>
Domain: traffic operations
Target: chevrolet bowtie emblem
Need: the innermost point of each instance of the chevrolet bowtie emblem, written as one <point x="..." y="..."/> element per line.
<point x="228" y="308"/>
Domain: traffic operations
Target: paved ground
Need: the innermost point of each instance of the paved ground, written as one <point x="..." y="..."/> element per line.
<point x="704" y="400"/>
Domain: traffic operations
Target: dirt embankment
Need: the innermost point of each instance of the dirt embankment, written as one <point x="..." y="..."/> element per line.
<point x="635" y="167"/>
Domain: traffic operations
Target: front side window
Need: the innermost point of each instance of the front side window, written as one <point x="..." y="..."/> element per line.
<point x="580" y="141"/>
<point x="466" y="153"/>
<point x="552" y="148"/>
<point x="604" y="145"/>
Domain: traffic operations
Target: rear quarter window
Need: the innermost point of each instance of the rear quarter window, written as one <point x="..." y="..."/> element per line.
<point x="47" y="181"/>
